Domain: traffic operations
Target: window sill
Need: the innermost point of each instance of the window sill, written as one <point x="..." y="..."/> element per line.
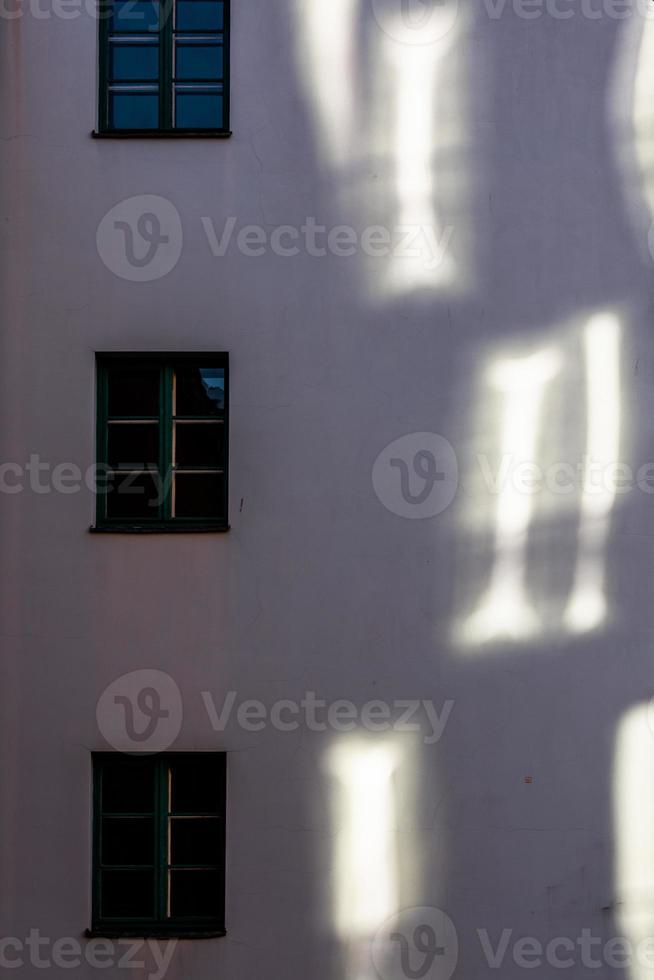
<point x="152" y="932"/>
<point x="199" y="528"/>
<point x="158" y="134"/>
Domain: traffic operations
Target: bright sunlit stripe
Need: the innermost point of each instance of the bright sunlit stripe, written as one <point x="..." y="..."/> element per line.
<point x="326" y="52"/>
<point x="633" y="806"/>
<point x="631" y="118"/>
<point x="415" y="70"/>
<point x="643" y="110"/>
<point x="602" y="350"/>
<point x="366" y="891"/>
<point x="587" y="606"/>
<point x="505" y="610"/>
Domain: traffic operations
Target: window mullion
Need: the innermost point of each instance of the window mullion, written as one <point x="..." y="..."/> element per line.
<point x="166" y="40"/>
<point x="104" y="10"/>
<point x="226" y="65"/>
<point x="167" y="473"/>
<point x="161" y="874"/>
<point x="102" y="439"/>
<point x="226" y="397"/>
<point x="97" y="842"/>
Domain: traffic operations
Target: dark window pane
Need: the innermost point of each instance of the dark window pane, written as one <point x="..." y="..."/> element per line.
<point x="133" y="391"/>
<point x="199" y="444"/>
<point x="195" y="841"/>
<point x="131" y="62"/>
<point x="196" y="785"/>
<point x="198" y="110"/>
<point x="199" y="15"/>
<point x="196" y="893"/>
<point x="127" y="787"/>
<point x="133" y="496"/>
<point x="134" y="16"/>
<point x="133" y="445"/>
<point x="133" y="110"/>
<point x="127" y="894"/>
<point x="199" y="494"/>
<point x="199" y="391"/>
<point x="127" y="840"/>
<point x="197" y="60"/>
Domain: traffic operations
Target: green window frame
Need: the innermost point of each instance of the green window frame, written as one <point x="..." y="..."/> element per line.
<point x="159" y="845"/>
<point x="164" y="68"/>
<point x="162" y="442"/>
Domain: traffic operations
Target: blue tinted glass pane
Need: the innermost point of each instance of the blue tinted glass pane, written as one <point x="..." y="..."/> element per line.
<point x="129" y="110"/>
<point x="133" y="62"/>
<point x="213" y="382"/>
<point x="199" y="15"/>
<point x="135" y="16"/>
<point x="198" y="110"/>
<point x="199" y="61"/>
<point x="199" y="391"/>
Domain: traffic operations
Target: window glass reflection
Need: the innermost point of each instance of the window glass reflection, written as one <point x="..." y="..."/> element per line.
<point x="133" y="110"/>
<point x="199" y="391"/>
<point x="198" y="60"/>
<point x="199" y="15"/>
<point x="133" y="62"/>
<point x="135" y="16"/>
<point x="196" y="109"/>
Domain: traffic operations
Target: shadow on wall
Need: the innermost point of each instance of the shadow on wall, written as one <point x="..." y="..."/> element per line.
<point x="548" y="123"/>
<point x="527" y="475"/>
<point x="387" y="99"/>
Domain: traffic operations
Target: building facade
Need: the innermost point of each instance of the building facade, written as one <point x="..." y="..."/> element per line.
<point x="418" y="631"/>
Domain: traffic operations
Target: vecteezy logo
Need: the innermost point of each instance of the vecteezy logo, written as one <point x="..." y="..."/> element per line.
<point x="416" y="944"/>
<point x="416" y="476"/>
<point x="140" y="712"/>
<point x="140" y="239"/>
<point x="416" y="21"/>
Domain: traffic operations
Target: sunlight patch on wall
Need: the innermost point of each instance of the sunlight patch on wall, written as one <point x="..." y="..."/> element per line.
<point x="506" y="609"/>
<point x="633" y="806"/>
<point x="415" y="74"/>
<point x="587" y="606"/>
<point x="387" y="107"/>
<point x="327" y="56"/>
<point x="366" y="886"/>
<point x="541" y="432"/>
<point x="631" y="120"/>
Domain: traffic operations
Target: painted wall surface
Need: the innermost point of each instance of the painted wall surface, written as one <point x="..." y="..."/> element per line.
<point x="504" y="150"/>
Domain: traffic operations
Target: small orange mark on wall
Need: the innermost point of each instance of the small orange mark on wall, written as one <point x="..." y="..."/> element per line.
<point x="529" y="779"/>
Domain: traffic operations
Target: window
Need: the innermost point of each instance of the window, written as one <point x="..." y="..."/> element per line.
<point x="164" y="66"/>
<point x="162" y="442"/>
<point x="159" y="844"/>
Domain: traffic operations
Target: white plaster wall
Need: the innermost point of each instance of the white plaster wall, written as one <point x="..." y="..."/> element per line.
<point x="318" y="586"/>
